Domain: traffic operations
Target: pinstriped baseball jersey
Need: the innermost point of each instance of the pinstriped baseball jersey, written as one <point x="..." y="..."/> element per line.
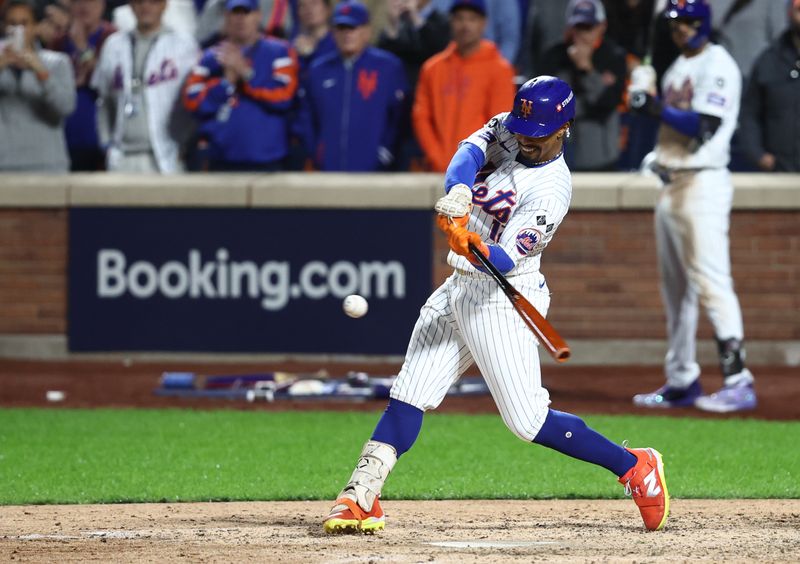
<point x="469" y="319"/>
<point x="515" y="206"/>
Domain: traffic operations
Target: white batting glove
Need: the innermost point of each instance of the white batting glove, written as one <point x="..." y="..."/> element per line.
<point x="643" y="78"/>
<point x="457" y="202"/>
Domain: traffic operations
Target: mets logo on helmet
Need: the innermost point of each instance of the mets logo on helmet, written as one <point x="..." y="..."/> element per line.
<point x="525" y="107"/>
<point x="528" y="240"/>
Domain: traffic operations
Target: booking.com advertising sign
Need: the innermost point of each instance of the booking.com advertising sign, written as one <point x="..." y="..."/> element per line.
<point x="245" y="280"/>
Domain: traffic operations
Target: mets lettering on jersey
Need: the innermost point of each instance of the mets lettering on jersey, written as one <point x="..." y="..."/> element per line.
<point x="498" y="206"/>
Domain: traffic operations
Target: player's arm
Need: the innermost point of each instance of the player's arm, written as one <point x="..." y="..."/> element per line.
<point x="701" y="126"/>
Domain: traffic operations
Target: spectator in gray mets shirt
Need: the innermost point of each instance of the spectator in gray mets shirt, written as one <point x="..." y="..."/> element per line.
<point x="37" y="92"/>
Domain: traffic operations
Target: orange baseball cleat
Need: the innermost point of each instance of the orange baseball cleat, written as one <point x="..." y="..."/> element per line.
<point x="347" y="517"/>
<point x="646" y="484"/>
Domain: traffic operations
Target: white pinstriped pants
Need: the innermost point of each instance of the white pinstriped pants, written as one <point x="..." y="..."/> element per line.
<point x="692" y="219"/>
<point x="469" y="319"/>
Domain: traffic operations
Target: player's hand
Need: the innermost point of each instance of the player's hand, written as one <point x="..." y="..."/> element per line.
<point x="457" y="202"/>
<point x="641" y="102"/>
<point x="459" y="237"/>
<point x="643" y="78"/>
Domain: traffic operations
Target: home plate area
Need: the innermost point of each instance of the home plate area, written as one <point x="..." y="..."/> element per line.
<point x="416" y="531"/>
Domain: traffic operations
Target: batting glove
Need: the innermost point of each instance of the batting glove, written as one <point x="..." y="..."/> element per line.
<point x="459" y="237"/>
<point x="457" y="202"/>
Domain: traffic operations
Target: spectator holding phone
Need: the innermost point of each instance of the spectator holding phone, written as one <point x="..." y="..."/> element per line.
<point x="37" y="92"/>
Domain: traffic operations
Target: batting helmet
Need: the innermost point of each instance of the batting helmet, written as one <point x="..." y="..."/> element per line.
<point x="541" y="106"/>
<point x="698" y="11"/>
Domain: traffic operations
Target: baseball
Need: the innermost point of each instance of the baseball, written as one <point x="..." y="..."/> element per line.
<point x="355" y="306"/>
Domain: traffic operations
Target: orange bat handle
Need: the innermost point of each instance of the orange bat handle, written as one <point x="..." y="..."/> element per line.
<point x="553" y="343"/>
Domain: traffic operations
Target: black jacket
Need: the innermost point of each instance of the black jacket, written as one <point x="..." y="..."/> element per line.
<point x="594" y="144"/>
<point x="769" y="121"/>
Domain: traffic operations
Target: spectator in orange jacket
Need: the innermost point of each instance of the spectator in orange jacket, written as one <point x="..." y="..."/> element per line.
<point x="462" y="87"/>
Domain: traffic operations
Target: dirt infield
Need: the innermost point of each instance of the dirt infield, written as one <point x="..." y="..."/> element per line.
<point x="417" y="531"/>
<point x="431" y="531"/>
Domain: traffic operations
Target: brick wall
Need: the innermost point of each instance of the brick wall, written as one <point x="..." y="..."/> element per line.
<point x="601" y="269"/>
<point x="33" y="263"/>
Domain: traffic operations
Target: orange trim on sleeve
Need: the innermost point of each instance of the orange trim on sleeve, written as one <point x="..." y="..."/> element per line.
<point x="193" y="104"/>
<point x="281" y="93"/>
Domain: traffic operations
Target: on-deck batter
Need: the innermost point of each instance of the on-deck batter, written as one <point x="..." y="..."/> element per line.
<point x="508" y="189"/>
<point x="698" y="114"/>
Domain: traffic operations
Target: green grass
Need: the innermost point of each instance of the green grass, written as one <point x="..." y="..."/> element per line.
<point x="84" y="456"/>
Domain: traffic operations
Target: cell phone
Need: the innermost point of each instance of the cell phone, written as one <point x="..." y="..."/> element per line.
<point x="16" y="34"/>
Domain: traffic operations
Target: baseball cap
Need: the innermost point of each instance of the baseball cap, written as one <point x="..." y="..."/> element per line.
<point x="476" y="5"/>
<point x="589" y="12"/>
<point x="250" y="5"/>
<point x="349" y="13"/>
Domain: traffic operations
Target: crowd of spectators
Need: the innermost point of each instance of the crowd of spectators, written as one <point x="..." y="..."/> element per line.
<point x="384" y="85"/>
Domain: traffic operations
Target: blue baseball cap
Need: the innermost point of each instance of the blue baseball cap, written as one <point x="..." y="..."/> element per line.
<point x="351" y="14"/>
<point x="249" y="5"/>
<point x="587" y="12"/>
<point x="475" y="5"/>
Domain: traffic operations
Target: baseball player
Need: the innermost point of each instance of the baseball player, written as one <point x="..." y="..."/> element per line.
<point x="508" y="189"/>
<point x="698" y="114"/>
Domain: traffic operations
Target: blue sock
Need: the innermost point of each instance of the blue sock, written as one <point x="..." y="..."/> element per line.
<point x="399" y="426"/>
<point x="569" y="435"/>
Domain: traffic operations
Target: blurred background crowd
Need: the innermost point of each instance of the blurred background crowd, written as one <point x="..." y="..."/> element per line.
<point x="166" y="86"/>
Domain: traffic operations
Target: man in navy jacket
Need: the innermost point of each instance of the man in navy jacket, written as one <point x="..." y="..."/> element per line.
<point x="353" y="99"/>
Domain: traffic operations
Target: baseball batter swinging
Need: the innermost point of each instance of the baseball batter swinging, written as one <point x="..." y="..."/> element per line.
<point x="698" y="116"/>
<point x="508" y="189"/>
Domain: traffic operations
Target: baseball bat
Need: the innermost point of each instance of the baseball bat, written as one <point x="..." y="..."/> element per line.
<point x="555" y="345"/>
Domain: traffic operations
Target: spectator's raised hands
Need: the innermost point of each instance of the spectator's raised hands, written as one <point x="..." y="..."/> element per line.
<point x="234" y="62"/>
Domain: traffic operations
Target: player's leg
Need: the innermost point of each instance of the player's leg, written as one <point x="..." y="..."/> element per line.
<point x="708" y="269"/>
<point x="506" y="352"/>
<point x="436" y="357"/>
<point x="682" y="372"/>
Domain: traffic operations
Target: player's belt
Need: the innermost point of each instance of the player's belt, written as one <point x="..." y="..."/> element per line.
<point x="479" y="274"/>
<point x="668" y="175"/>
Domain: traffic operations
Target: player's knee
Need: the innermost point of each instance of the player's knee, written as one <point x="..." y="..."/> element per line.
<point x="527" y="428"/>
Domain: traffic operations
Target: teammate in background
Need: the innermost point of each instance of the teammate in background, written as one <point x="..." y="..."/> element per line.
<point x="698" y="116"/>
<point x="508" y="189"/>
<point x="595" y="66"/>
<point x="241" y="91"/>
<point x="354" y="98"/>
<point x="770" y="117"/>
<point x="37" y="92"/>
<point x="138" y="80"/>
<point x="460" y="88"/>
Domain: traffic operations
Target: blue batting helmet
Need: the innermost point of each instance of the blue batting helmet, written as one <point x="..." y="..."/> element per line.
<point x="541" y="106"/>
<point x="696" y="10"/>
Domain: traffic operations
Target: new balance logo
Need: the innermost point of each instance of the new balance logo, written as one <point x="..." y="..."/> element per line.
<point x="651" y="482"/>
